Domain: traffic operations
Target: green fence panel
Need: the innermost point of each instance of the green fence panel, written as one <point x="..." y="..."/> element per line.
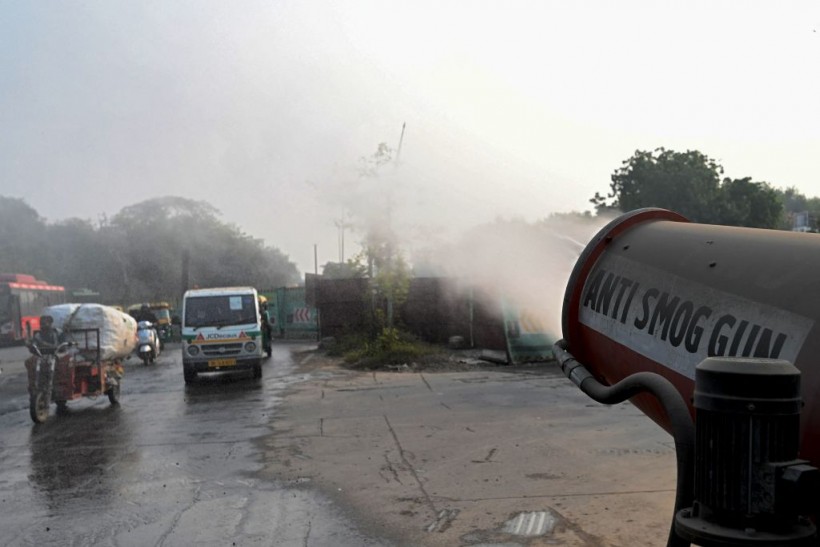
<point x="290" y="314"/>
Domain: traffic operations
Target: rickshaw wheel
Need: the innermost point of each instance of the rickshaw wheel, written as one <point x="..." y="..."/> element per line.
<point x="62" y="407"/>
<point x="114" y="394"/>
<point x="38" y="407"/>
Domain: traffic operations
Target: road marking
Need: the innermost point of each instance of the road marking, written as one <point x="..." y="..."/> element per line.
<point x="538" y="523"/>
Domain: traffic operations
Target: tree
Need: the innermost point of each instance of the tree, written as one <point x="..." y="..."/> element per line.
<point x="381" y="254"/>
<point x="154" y="234"/>
<point x="352" y="268"/>
<point x="686" y="182"/>
<point x="793" y="200"/>
<point x="22" y="238"/>
<point x="690" y="184"/>
<point x="370" y="165"/>
<point x="746" y="203"/>
<point x="77" y="255"/>
<point x="794" y="203"/>
<point x="137" y="255"/>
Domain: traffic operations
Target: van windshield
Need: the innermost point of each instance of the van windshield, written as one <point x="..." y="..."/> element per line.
<point x="220" y="310"/>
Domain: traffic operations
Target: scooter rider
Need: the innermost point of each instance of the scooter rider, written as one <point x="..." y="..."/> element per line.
<point x="145" y="314"/>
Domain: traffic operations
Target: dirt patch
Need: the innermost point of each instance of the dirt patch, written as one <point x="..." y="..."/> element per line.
<point x="445" y="361"/>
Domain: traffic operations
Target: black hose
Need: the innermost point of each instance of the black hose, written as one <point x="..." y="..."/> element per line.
<point x="683" y="429"/>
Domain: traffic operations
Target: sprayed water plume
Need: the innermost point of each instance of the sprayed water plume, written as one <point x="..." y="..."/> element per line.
<point x="524" y="264"/>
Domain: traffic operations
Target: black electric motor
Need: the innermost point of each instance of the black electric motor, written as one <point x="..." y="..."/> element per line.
<point x="750" y="487"/>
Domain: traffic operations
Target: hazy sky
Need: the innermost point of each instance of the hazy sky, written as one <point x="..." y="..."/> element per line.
<point x="513" y="109"/>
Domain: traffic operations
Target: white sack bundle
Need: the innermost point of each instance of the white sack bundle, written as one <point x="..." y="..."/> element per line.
<point x="118" y="330"/>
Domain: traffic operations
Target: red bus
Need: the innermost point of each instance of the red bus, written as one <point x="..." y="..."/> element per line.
<point x="22" y="299"/>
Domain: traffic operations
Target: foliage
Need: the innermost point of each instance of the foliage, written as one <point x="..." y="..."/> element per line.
<point x="686" y="182"/>
<point x="352" y="269"/>
<point x="347" y="343"/>
<point x="391" y="275"/>
<point x="690" y="183"/>
<point x="381" y="257"/>
<point x="76" y="257"/>
<point x="747" y="203"/>
<point x="167" y="228"/>
<point x="390" y="347"/>
<point x="22" y="238"/>
<point x="794" y="203"/>
<point x="369" y="166"/>
<point x="138" y="254"/>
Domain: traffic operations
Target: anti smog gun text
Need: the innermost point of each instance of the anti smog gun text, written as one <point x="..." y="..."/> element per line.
<point x="719" y="346"/>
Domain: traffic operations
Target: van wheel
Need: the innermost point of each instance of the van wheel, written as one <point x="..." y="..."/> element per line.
<point x="257" y="371"/>
<point x="189" y="373"/>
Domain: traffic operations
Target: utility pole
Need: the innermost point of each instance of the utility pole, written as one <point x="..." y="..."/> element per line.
<point x="341" y="225"/>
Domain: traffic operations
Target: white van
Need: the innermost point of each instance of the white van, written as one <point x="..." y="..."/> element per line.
<point x="221" y="331"/>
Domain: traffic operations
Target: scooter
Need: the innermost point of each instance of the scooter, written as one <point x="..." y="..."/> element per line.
<point x="148" y="346"/>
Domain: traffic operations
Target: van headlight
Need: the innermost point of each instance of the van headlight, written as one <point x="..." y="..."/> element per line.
<point x="193" y="350"/>
<point x="250" y="347"/>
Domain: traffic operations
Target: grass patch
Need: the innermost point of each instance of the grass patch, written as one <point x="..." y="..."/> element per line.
<point x="391" y="347"/>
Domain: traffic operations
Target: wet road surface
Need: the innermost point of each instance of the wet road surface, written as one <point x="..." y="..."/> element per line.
<point x="172" y="465"/>
<point x="316" y="454"/>
<point x="484" y="457"/>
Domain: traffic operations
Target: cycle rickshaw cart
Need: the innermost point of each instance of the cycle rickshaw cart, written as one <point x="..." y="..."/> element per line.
<point x="75" y="370"/>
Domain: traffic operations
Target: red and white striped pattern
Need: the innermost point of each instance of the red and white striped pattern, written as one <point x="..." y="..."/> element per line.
<point x="301" y="315"/>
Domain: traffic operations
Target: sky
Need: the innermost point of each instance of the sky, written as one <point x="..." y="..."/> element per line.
<point x="513" y="109"/>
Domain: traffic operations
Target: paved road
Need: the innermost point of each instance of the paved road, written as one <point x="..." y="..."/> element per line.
<point x="317" y="455"/>
<point x="482" y="457"/>
<point x="170" y="466"/>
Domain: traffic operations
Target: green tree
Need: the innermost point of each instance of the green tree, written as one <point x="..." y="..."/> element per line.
<point x="745" y="203"/>
<point x="154" y="235"/>
<point x="137" y="255"/>
<point x="381" y="255"/>
<point x="22" y="239"/>
<point x="795" y="202"/>
<point x="813" y="208"/>
<point x="77" y="256"/>
<point x="690" y="184"/>
<point x="686" y="182"/>
<point x="352" y="268"/>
